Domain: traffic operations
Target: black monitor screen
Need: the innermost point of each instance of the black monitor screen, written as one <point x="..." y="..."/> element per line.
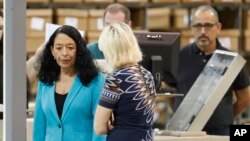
<point x="160" y="54"/>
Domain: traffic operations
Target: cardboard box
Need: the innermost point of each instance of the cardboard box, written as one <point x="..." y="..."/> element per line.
<point x="158" y="18"/>
<point x="98" y="1"/>
<point x="36" y="1"/>
<point x="247" y="40"/>
<point x="35" y="27"/>
<point x="36" y="20"/>
<point x="196" y="1"/>
<point x="246" y="19"/>
<point x="132" y="1"/>
<point x="74" y="17"/>
<point x="67" y="1"/>
<point x="93" y="36"/>
<point x="165" y="1"/>
<point x="229" y="38"/>
<point x="186" y="37"/>
<point x="95" y="22"/>
<point x="181" y="18"/>
<point x="33" y="42"/>
<point x="138" y="16"/>
<point x="227" y="1"/>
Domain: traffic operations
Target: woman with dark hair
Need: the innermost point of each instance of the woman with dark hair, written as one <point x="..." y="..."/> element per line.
<point x="68" y="90"/>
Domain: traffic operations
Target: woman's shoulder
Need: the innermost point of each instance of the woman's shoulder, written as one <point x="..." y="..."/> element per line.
<point x="100" y="77"/>
<point x="42" y="84"/>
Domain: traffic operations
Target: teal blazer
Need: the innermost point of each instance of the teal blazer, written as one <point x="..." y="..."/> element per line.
<point x="94" y="50"/>
<point x="77" y="119"/>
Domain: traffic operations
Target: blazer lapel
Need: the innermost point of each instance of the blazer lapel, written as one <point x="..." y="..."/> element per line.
<point x="50" y="96"/>
<point x="71" y="95"/>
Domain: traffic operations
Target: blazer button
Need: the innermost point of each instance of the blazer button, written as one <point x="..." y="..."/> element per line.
<point x="59" y="126"/>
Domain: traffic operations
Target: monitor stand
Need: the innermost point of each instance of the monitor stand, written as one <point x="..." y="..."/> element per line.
<point x="156" y="70"/>
<point x="206" y="92"/>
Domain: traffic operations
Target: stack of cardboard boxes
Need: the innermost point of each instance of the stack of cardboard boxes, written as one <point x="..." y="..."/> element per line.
<point x="246" y="31"/>
<point x="197" y="1"/>
<point x="95" y="24"/>
<point x="132" y="1"/>
<point x="155" y="18"/>
<point x="166" y="1"/>
<point x="77" y="18"/>
<point x="167" y="19"/>
<point x="158" y="18"/>
<point x="37" y="1"/>
<point x="98" y="1"/>
<point x="35" y="27"/>
<point x="68" y="1"/>
<point x="227" y="1"/>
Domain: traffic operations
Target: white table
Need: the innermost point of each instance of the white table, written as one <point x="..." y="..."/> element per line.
<point x="195" y="138"/>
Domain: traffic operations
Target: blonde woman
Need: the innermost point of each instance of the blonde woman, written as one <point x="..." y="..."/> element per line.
<point x="129" y="92"/>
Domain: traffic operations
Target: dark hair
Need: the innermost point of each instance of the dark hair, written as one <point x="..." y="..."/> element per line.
<point x="85" y="67"/>
<point x="1" y="39"/>
<point x="1" y="13"/>
<point x="116" y="7"/>
<point x="1" y="45"/>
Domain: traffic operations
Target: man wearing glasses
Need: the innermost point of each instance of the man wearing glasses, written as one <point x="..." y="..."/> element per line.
<point x="193" y="58"/>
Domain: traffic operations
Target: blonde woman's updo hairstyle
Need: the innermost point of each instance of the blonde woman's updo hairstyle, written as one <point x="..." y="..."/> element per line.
<point x="119" y="45"/>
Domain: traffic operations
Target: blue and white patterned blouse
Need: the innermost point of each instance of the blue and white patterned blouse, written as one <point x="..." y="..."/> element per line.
<point x="130" y="92"/>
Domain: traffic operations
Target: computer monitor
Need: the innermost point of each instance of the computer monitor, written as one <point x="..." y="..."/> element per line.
<point x="160" y="55"/>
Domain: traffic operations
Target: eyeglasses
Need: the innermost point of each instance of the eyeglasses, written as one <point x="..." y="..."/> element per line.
<point x="207" y="26"/>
